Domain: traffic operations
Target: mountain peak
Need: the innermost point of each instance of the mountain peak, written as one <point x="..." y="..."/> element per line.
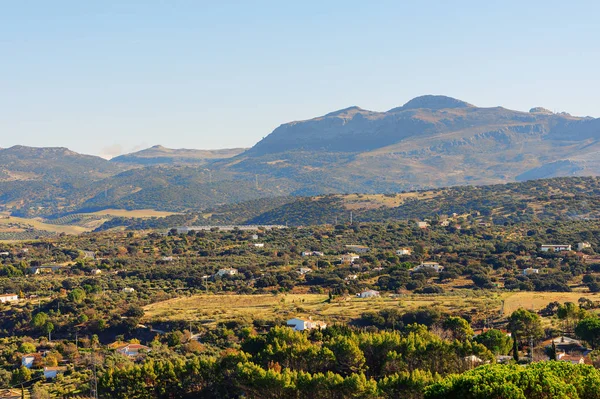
<point x="435" y="102"/>
<point x="347" y="111"/>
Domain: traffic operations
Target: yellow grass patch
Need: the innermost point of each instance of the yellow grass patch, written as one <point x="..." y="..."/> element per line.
<point x="138" y="213"/>
<point x="539" y="300"/>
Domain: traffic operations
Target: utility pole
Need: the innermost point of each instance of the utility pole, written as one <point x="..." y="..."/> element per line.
<point x="93" y="380"/>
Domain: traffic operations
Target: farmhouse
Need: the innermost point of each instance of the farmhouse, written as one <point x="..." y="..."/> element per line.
<point x="227" y="272"/>
<point x="368" y="294"/>
<point x="361" y="249"/>
<point x="128" y="290"/>
<point x="583" y="245"/>
<point x="304" y="270"/>
<point x="9" y="298"/>
<point x="429" y="265"/>
<point x="305" y="324"/>
<point x="132" y="350"/>
<point x="555" y="248"/>
<point x="422" y="225"/>
<point x="312" y="253"/>
<point x="349" y="258"/>
<point x="46" y="269"/>
<point x="50" y="373"/>
<point x="28" y="360"/>
<point x="530" y="270"/>
<point x="259" y="245"/>
<point x="404" y="251"/>
<point x="96" y="272"/>
<point x="4" y="253"/>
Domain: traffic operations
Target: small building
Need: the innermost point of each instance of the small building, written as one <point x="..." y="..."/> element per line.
<point x="304" y="270"/>
<point x="259" y="245"/>
<point x="299" y="324"/>
<point x="312" y="253"/>
<point x="422" y="225"/>
<point x="128" y="290"/>
<point x="167" y="259"/>
<point x="46" y="269"/>
<point x="255" y="236"/>
<point x="349" y="258"/>
<point x="9" y="298"/>
<point x="404" y="251"/>
<point x="227" y="272"/>
<point x="360" y="249"/>
<point x="95" y="272"/>
<point x="429" y="265"/>
<point x="573" y="359"/>
<point x="583" y="245"/>
<point x="555" y="248"/>
<point x="368" y="294"/>
<point x="530" y="270"/>
<point x="28" y="360"/>
<point x="351" y="277"/>
<point x="50" y="373"/>
<point x="5" y="253"/>
<point x="132" y="350"/>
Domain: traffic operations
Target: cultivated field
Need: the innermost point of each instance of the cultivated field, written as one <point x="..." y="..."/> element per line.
<point x="23" y="223"/>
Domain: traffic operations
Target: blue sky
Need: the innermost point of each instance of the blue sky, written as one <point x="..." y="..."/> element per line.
<point x="107" y="77"/>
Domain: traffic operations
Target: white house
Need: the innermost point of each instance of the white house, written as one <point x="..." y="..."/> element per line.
<point x="312" y="253"/>
<point x="227" y="272"/>
<point x="404" y="251"/>
<point x="9" y="298"/>
<point x="349" y="258"/>
<point x="422" y="225"/>
<point x="4" y="253"/>
<point x="304" y="270"/>
<point x="28" y="359"/>
<point x="530" y="270"/>
<point x="259" y="245"/>
<point x="368" y="294"/>
<point x="305" y="324"/>
<point x="167" y="259"/>
<point x="96" y="271"/>
<point x="429" y="265"/>
<point x="128" y="290"/>
<point x="132" y="350"/>
<point x="555" y="248"/>
<point x="351" y="277"/>
<point x="51" y="372"/>
<point x="255" y="236"/>
<point x="361" y="249"/>
<point x="583" y="245"/>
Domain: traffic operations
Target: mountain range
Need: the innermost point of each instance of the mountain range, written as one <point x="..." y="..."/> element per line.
<point x="429" y="142"/>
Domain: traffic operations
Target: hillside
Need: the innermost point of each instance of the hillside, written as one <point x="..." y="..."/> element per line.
<point x="158" y="155"/>
<point x="567" y="198"/>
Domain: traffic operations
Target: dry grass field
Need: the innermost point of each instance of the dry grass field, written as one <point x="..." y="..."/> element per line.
<point x="39" y="225"/>
<point x="539" y="300"/>
<point x="215" y="308"/>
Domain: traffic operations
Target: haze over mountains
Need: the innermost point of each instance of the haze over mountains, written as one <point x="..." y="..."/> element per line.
<point x="431" y="141"/>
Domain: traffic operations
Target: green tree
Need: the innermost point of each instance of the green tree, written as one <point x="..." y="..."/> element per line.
<point x="495" y="340"/>
<point x="525" y="325"/>
<point x="588" y="330"/>
<point x="77" y="295"/>
<point x="458" y="327"/>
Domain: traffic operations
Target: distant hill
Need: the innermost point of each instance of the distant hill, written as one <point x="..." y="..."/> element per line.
<point x="161" y="155"/>
<point x="429" y="142"/>
<point x="566" y="198"/>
